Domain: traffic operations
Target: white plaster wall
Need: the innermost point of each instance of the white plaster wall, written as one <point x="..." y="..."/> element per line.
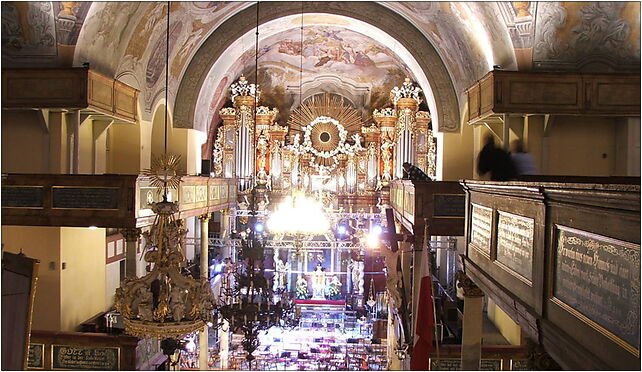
<point x="112" y="281"/>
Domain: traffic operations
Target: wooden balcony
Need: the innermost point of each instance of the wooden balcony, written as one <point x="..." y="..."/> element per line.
<point x="513" y="92"/>
<point x="439" y="204"/>
<point x="118" y="201"/>
<point x="562" y="259"/>
<point x="69" y="89"/>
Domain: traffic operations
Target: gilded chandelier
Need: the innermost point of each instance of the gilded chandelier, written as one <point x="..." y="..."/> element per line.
<point x="164" y="303"/>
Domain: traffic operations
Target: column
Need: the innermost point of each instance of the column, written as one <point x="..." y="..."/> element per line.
<point x="131" y="243"/>
<point x="203" y="337"/>
<point x="472" y="325"/>
<point x="76" y="148"/>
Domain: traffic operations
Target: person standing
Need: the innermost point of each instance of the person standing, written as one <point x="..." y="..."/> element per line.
<point x="495" y="161"/>
<point x="524" y="162"/>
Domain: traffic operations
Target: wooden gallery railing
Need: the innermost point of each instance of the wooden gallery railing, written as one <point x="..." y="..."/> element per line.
<point x="562" y="259"/>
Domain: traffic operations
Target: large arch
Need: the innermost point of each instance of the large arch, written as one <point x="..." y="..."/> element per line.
<point x="446" y="115"/>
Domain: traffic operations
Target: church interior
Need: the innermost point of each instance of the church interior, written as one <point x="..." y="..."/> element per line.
<point x="298" y="185"/>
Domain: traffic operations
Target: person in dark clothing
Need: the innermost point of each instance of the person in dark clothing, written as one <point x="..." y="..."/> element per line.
<point x="495" y="161"/>
<point x="412" y="172"/>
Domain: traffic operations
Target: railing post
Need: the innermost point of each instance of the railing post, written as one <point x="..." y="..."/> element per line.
<point x="472" y="325"/>
<point x="131" y="241"/>
<point x="204" y="335"/>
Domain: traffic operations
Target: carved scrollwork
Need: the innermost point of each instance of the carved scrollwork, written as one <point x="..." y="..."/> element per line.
<point x="468" y="286"/>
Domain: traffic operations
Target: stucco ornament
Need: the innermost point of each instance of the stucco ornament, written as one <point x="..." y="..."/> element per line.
<point x="407" y="90"/>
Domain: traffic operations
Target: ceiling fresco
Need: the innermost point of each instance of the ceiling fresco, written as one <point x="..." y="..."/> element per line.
<point x="28" y="30"/>
<point x="604" y="36"/>
<point x="126" y="40"/>
<point x="336" y="57"/>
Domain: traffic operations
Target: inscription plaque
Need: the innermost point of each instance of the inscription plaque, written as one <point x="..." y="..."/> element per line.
<point x="599" y="278"/>
<point x="480" y="230"/>
<point x="444" y="364"/>
<point x="35" y="357"/>
<point x="519" y="365"/>
<point x="449" y="205"/>
<point x="515" y="243"/>
<point x="85" y="197"/>
<point x="22" y="197"/>
<point x="85" y="358"/>
<point x="490" y="365"/>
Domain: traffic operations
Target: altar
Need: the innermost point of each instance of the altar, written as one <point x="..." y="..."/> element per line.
<point x="323" y="275"/>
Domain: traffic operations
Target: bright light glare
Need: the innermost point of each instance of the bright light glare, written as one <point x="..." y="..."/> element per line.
<point x="300" y="215"/>
<point x="372" y="240"/>
<point x="341" y="229"/>
<point x="258" y="227"/>
<point x="376" y="230"/>
<point x="92" y="227"/>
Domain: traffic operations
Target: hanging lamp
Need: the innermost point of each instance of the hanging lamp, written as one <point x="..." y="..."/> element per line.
<point x="165" y="303"/>
<point x="248" y="304"/>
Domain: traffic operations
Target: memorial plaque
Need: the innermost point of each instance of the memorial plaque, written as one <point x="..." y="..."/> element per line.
<point x="449" y="205"/>
<point x="35" y="358"/>
<point x="22" y="196"/>
<point x="445" y="364"/>
<point x="515" y="243"/>
<point x="490" y="365"/>
<point x="201" y="193"/>
<point x="85" y="197"/>
<point x="480" y="229"/>
<point x="519" y="365"/>
<point x="85" y="358"/>
<point x="597" y="279"/>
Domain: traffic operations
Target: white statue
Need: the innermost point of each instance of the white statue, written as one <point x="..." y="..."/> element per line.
<point x="357" y="268"/>
<point x="280" y="274"/>
<point x="318" y="283"/>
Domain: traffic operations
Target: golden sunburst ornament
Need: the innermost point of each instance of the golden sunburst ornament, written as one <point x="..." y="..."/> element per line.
<point x="329" y="105"/>
<point x="163" y="173"/>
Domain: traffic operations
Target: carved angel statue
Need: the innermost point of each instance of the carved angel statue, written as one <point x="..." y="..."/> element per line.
<point x="217" y="155"/>
<point x="262" y="178"/>
<point x="177" y="303"/>
<point x="145" y="304"/>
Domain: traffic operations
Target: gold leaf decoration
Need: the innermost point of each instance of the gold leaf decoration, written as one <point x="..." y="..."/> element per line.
<point x="164" y="172"/>
<point x="325" y="105"/>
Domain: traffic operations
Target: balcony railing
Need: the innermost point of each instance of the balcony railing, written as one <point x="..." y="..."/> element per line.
<point x="116" y="201"/>
<point x="561" y="256"/>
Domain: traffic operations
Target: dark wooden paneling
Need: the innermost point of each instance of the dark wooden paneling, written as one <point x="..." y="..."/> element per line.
<point x="592" y="319"/>
<point x="513" y="92"/>
<point x="74" y="200"/>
